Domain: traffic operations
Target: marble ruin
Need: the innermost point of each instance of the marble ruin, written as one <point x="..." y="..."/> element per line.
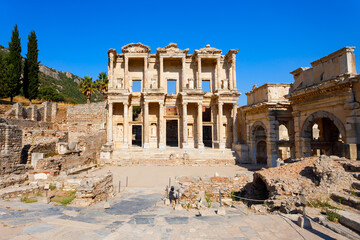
<point x="318" y="114"/>
<point x="172" y="98"/>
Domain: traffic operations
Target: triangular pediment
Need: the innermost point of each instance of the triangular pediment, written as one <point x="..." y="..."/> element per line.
<point x="208" y="50"/>
<point x="171" y="48"/>
<point x="135" y="48"/>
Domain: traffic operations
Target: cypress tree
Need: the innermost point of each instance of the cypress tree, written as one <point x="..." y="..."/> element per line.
<point x="3" y="83"/>
<point x="31" y="70"/>
<point x="14" y="65"/>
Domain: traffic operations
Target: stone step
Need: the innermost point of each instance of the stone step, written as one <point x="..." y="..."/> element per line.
<point x="356" y="185"/>
<point x="349" y="219"/>
<point x="356" y="175"/>
<point x="353" y="166"/>
<point x="347" y="199"/>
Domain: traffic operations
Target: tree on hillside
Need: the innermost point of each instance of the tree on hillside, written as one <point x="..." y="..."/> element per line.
<point x="13" y="61"/>
<point x="102" y="84"/>
<point x="3" y="84"/>
<point x="31" y="70"/>
<point x="87" y="87"/>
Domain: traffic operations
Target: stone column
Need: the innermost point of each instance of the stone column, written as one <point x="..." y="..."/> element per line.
<point x="220" y="125"/>
<point x="230" y="77"/>
<point x="126" y="73"/>
<point x="162" y="126"/>
<point x="272" y="139"/>
<point x="146" y="125"/>
<point x="110" y="124"/>
<point x="234" y="122"/>
<point x="214" y="128"/>
<point x="111" y="70"/>
<point x="199" y="82"/>
<point x="126" y="126"/>
<point x="234" y="71"/>
<point x="218" y="76"/>
<point x="200" y="126"/>
<point x="161" y="84"/>
<point x="183" y="74"/>
<point x="184" y="116"/>
<point x="145" y="83"/>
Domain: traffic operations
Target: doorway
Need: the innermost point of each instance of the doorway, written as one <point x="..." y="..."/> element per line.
<point x="172" y="133"/>
<point x="261" y="156"/>
<point x="207" y="136"/>
<point x="137" y="135"/>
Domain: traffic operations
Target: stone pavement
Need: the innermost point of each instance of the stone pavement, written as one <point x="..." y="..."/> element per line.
<point x="140" y="214"/>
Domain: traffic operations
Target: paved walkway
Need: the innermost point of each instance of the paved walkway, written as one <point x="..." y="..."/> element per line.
<point x="139" y="213"/>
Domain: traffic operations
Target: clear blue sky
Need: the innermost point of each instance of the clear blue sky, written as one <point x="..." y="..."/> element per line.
<point x="274" y="37"/>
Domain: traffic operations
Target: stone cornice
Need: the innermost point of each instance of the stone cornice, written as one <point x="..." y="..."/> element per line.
<point x="332" y="55"/>
<point x="264" y="106"/>
<point x="325" y="88"/>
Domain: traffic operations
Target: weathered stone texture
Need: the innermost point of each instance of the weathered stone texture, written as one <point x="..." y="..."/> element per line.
<point x="85" y="120"/>
<point x="10" y="147"/>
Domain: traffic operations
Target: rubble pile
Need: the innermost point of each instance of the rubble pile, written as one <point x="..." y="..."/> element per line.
<point x="194" y="190"/>
<point x="94" y="189"/>
<point x="316" y="178"/>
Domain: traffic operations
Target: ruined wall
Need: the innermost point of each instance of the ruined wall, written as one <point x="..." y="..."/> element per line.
<point x="269" y="92"/>
<point x="10" y="147"/>
<point x="46" y="112"/>
<point x="85" y="119"/>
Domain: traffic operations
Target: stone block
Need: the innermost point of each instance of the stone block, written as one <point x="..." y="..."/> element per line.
<point x="221" y="211"/>
<point x="43" y="200"/>
<point x="40" y="176"/>
<point x="304" y="222"/>
<point x="35" y="157"/>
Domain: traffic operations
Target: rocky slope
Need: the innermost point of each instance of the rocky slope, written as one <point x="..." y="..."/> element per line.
<point x="65" y="83"/>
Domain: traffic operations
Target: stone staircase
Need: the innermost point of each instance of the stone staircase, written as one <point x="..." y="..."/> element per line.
<point x="174" y="156"/>
<point x="350" y="199"/>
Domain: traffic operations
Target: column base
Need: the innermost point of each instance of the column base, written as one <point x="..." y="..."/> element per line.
<point x="161" y="145"/>
<point x="185" y="146"/>
<point x="125" y="146"/>
<point x="201" y="146"/>
<point x="146" y="145"/>
<point x="221" y="145"/>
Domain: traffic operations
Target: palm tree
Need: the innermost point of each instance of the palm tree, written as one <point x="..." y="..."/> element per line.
<point x="87" y="87"/>
<point x="102" y="84"/>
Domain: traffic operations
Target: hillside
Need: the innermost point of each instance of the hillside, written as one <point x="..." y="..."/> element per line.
<point x="65" y="83"/>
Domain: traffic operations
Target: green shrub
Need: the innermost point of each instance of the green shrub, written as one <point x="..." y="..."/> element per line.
<point x="65" y="199"/>
<point x="332" y="215"/>
<point x="28" y="199"/>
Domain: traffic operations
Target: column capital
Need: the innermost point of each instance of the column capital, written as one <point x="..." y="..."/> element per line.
<point x="185" y="103"/>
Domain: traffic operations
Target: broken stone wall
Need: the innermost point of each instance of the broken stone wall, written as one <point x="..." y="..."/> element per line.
<point x="85" y="120"/>
<point x="46" y="112"/>
<point x="10" y="147"/>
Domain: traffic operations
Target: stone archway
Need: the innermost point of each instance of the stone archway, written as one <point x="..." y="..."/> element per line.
<point x="258" y="139"/>
<point x="330" y="136"/>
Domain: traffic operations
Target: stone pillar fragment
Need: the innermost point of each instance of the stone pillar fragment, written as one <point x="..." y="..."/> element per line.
<point x="272" y="139"/>
<point x="200" y="126"/>
<point x="146" y="125"/>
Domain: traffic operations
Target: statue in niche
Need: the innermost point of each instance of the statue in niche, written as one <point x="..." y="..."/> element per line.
<point x="120" y="83"/>
<point x="153" y="83"/>
<point x="190" y="131"/>
<point x="153" y="130"/>
<point x="120" y="130"/>
<point x="191" y="83"/>
<point x="225" y="84"/>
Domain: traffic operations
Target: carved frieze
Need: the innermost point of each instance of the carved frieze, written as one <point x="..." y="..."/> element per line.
<point x="135" y="48"/>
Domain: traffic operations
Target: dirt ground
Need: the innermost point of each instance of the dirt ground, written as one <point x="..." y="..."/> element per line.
<point x="158" y="176"/>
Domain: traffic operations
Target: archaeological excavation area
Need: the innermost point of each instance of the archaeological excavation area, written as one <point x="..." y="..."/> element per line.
<point x="171" y="118"/>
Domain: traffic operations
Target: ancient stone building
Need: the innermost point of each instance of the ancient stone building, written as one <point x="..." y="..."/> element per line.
<point x="171" y="98"/>
<point x="317" y="114"/>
